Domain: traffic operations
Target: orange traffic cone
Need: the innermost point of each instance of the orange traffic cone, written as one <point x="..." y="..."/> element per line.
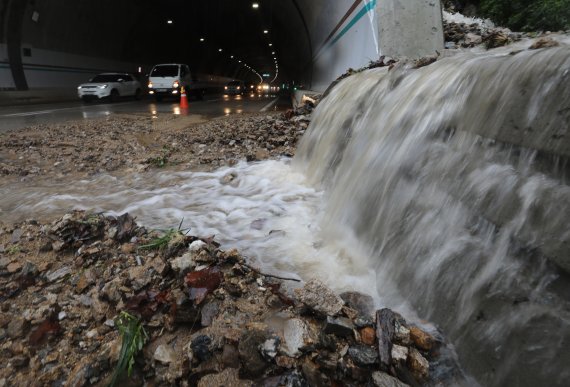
<point x="183" y="99"/>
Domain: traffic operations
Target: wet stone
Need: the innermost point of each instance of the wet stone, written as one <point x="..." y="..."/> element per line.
<point x="269" y="348"/>
<point x="208" y="313"/>
<point x="164" y="354"/>
<point x="17" y="327"/>
<point x="385" y="320"/>
<point x="230" y="356"/>
<point x="201" y="347"/>
<point x="363" y="355"/>
<point x="368" y="335"/>
<point x="296" y="335"/>
<point x="421" y="339"/>
<point x="399" y="355"/>
<point x="418" y="365"/>
<point x="16" y="235"/>
<point x="360" y="302"/>
<point x="58" y="274"/>
<point x="339" y="326"/>
<point x="253" y="363"/>
<point x="381" y="379"/>
<point x="320" y="298"/>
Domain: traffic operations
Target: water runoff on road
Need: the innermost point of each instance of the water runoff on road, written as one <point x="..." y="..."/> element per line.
<point x="402" y="188"/>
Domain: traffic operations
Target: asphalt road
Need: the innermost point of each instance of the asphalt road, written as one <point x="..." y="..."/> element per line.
<point x="16" y="117"/>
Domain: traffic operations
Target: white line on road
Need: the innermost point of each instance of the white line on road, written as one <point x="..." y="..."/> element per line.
<point x="40" y="112"/>
<point x="269" y="105"/>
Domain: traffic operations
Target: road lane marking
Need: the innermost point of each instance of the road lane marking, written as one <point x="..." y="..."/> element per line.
<point x="269" y="105"/>
<point x="40" y="112"/>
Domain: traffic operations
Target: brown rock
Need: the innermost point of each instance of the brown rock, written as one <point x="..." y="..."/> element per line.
<point x="285" y="361"/>
<point x="368" y="335"/>
<point x="421" y="339"/>
<point x="544" y="43"/>
<point x="17" y="327"/>
<point x="128" y="248"/>
<point x="419" y="366"/>
<point x="228" y="377"/>
<point x="14" y="267"/>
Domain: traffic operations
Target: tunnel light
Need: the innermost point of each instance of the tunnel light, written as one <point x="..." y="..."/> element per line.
<point x="272" y="52"/>
<point x="265" y="31"/>
<point x="255" y="5"/>
<point x="202" y="39"/>
<point x="270" y="44"/>
<point x="239" y="61"/>
<point x="169" y="21"/>
<point x="220" y="50"/>
<point x="232" y="57"/>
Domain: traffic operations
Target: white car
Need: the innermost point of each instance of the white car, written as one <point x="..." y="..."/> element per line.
<point x="110" y="85"/>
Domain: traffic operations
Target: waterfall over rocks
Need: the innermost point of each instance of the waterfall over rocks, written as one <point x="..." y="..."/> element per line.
<point x="454" y="178"/>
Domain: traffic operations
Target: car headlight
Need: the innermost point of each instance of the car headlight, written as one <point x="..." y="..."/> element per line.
<point x="238" y="87"/>
<point x="103" y="86"/>
<point x="175" y="85"/>
<point x="150" y="85"/>
<point x="225" y="87"/>
<point x="79" y="87"/>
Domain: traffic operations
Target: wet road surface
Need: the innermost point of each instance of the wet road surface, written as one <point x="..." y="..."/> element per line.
<point x="17" y="117"/>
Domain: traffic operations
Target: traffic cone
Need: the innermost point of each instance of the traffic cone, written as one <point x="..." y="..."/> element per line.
<point x="183" y="99"/>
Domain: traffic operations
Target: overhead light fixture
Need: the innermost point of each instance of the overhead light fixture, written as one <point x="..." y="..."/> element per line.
<point x="220" y="50"/>
<point x="270" y="44"/>
<point x="169" y="21"/>
<point x="272" y="52"/>
<point x="202" y="39"/>
<point x="232" y="57"/>
<point x="255" y="5"/>
<point x="265" y="31"/>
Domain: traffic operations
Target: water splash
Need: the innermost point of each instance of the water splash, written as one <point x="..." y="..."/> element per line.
<point x="400" y="190"/>
<point x="462" y="225"/>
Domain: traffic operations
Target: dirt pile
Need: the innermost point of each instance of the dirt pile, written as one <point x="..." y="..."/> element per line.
<point x="136" y="143"/>
<point x="202" y="315"/>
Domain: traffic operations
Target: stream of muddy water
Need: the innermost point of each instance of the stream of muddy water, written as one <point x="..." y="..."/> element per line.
<point x="406" y="187"/>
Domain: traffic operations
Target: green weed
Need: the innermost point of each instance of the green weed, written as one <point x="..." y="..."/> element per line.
<point x="133" y="337"/>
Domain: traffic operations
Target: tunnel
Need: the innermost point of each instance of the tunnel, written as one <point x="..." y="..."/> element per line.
<point x="58" y="43"/>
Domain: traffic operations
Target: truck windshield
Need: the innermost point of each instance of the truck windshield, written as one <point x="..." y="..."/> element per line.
<point x="165" y="71"/>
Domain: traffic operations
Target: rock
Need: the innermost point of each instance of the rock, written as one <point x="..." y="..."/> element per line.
<point x="59" y="273"/>
<point x="339" y="326"/>
<point x="253" y="363"/>
<point x="17" y="327"/>
<point x="208" y="312"/>
<point x="363" y="355"/>
<point x="401" y="332"/>
<point x="4" y="261"/>
<point x="230" y="356"/>
<point x="421" y="339"/>
<point x="418" y="365"/>
<point x="473" y="39"/>
<point x="201" y="347"/>
<point x="368" y="335"/>
<point x="543" y="42"/>
<point x="184" y="263"/>
<point x="196" y="246"/>
<point x="320" y="298"/>
<point x="385" y="333"/>
<point x="164" y="354"/>
<point x="14" y="267"/>
<point x="61" y="315"/>
<point x="381" y="379"/>
<point x="269" y="348"/>
<point x="360" y="302"/>
<point x="297" y="336"/>
<point x="111" y="290"/>
<point x="313" y="375"/>
<point x="128" y="248"/>
<point x="16" y="235"/>
<point x="228" y="377"/>
<point x="399" y="355"/>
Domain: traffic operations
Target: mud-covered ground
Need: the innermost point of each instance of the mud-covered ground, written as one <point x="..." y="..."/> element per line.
<point x="69" y="288"/>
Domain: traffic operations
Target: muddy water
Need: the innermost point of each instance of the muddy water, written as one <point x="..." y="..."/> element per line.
<point x="397" y="192"/>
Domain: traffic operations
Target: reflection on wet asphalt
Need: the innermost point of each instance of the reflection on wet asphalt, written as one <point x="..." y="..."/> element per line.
<point x="212" y="106"/>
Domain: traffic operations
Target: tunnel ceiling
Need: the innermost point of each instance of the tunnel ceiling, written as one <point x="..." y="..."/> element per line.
<point x="138" y="31"/>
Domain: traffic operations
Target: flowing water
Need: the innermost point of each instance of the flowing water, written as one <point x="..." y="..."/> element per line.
<point x="401" y="191"/>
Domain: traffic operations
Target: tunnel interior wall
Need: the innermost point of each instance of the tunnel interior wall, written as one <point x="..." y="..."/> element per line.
<point x="66" y="42"/>
<point x="343" y="35"/>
